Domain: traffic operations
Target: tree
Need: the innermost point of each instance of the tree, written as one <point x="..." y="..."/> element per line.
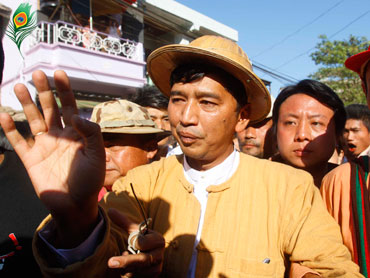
<point x="330" y="55"/>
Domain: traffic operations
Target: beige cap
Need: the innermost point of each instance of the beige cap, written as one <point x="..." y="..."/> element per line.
<point x="16" y="115"/>
<point x="122" y="116"/>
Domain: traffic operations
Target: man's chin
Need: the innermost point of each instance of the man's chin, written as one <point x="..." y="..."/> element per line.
<point x="251" y="151"/>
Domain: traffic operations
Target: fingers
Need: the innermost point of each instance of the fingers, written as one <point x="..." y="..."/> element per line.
<point x="148" y="263"/>
<point x="93" y="138"/>
<point x="34" y="117"/>
<point x="66" y="96"/>
<point x="143" y="264"/>
<point x="122" y="221"/>
<point x="47" y="100"/>
<point x="152" y="240"/>
<point x="16" y="140"/>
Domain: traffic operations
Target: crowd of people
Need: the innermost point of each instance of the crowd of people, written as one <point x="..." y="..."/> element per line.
<point x="202" y="175"/>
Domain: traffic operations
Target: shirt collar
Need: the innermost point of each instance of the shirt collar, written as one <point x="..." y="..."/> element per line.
<point x="365" y="152"/>
<point x="216" y="175"/>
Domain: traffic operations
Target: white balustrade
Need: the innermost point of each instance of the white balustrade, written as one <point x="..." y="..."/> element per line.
<point x="62" y="32"/>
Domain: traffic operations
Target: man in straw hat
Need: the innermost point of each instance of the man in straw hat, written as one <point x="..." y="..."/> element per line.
<point x="130" y="137"/>
<point x="345" y="190"/>
<point x="221" y="213"/>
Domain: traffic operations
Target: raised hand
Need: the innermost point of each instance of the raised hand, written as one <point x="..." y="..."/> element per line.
<point x="66" y="164"/>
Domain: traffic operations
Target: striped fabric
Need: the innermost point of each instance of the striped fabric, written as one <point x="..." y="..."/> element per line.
<point x="360" y="214"/>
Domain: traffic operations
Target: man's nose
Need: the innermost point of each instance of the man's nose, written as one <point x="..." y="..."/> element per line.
<point x="350" y="136"/>
<point x="250" y="133"/>
<point x="107" y="155"/>
<point x="189" y="115"/>
<point x="303" y="132"/>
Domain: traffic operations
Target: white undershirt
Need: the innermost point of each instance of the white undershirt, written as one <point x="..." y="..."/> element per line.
<point x="201" y="180"/>
<point x="365" y="152"/>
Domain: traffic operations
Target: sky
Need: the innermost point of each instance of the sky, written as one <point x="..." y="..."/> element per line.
<point x="281" y="34"/>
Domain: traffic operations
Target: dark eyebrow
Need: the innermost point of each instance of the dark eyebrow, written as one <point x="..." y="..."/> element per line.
<point x="207" y="94"/>
<point x="198" y="94"/>
<point x="317" y="116"/>
<point x="310" y="116"/>
<point x="291" y="115"/>
<point x="176" y="93"/>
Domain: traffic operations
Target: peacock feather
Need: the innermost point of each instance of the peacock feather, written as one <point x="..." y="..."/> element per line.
<point x="23" y="23"/>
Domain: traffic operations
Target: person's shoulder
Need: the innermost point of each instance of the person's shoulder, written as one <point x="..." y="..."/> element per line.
<point x="342" y="170"/>
<point x="271" y="166"/>
<point x="276" y="179"/>
<point x="337" y="179"/>
<point x="164" y="164"/>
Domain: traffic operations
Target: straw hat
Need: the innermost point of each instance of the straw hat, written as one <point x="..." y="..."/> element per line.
<point x="122" y="116"/>
<point x="212" y="50"/>
<point x="357" y="62"/>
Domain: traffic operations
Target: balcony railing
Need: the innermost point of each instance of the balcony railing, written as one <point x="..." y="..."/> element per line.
<point x="77" y="36"/>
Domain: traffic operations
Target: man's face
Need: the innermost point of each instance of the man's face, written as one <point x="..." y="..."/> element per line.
<point x="203" y="117"/>
<point x="160" y="117"/>
<point x="305" y="132"/>
<point x="253" y="139"/>
<point x="356" y="138"/>
<point x="123" y="153"/>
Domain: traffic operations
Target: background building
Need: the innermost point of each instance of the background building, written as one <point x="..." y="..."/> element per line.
<point x="101" y="44"/>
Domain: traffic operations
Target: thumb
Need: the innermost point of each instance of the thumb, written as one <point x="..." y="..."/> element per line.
<point x="122" y="221"/>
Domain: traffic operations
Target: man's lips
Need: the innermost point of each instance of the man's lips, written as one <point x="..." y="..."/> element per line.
<point x="351" y="147"/>
<point x="249" y="146"/>
<point x="187" y="137"/>
<point x="301" y="152"/>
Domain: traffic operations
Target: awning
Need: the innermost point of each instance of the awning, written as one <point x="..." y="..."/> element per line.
<point x="99" y="7"/>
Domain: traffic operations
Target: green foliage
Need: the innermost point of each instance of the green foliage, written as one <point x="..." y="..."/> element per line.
<point x="330" y="55"/>
<point x="22" y="24"/>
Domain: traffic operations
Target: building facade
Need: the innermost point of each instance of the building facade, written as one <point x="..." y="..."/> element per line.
<point x="101" y="44"/>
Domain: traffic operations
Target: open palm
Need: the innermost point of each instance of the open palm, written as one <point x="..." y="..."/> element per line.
<point x="66" y="162"/>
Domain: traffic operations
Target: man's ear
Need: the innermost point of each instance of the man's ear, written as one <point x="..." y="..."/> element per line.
<point x="152" y="149"/>
<point x="243" y="118"/>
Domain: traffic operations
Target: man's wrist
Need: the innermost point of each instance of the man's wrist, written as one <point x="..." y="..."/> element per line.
<point x="65" y="256"/>
<point x="74" y="227"/>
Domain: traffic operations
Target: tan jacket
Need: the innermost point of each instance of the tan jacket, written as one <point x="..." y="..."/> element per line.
<point x="266" y="212"/>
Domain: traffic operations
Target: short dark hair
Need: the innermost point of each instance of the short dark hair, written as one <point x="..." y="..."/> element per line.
<point x="359" y="112"/>
<point x="191" y="72"/>
<point x="22" y="127"/>
<point x="319" y="91"/>
<point x="150" y="96"/>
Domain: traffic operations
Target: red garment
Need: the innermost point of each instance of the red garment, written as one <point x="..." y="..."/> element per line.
<point x="102" y="193"/>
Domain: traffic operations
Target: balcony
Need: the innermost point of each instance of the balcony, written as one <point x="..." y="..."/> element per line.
<point x="94" y="61"/>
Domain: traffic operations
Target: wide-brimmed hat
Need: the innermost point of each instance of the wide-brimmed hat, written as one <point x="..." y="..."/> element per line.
<point x="358" y="61"/>
<point x="269" y="115"/>
<point x="216" y="51"/>
<point x="122" y="116"/>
